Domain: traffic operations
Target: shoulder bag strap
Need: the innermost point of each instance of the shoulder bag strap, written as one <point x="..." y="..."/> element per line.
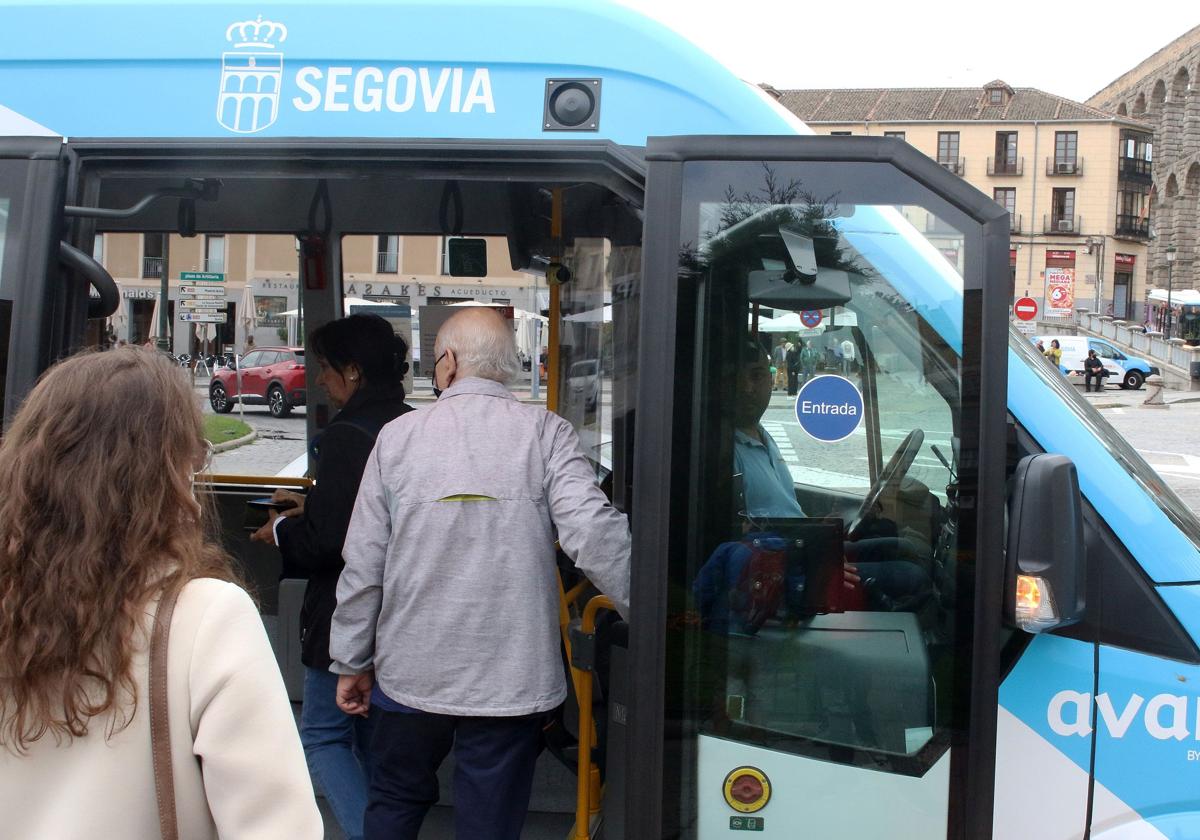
<point x="160" y="732"/>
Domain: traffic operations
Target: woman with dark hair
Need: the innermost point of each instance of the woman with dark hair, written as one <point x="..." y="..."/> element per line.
<point x="362" y="367"/>
<point x="99" y="525"/>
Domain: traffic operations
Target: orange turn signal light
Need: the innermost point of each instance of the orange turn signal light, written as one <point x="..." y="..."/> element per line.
<point x="1035" y="604"/>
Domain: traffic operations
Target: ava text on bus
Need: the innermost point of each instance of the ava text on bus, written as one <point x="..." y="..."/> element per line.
<point x="400" y="89"/>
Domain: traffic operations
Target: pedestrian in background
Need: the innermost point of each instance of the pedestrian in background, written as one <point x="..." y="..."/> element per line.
<point x="447" y="614"/>
<point x="1093" y="368"/>
<point x="99" y="524"/>
<point x="793" y="369"/>
<point x="808" y="361"/>
<point x="779" y="362"/>
<point x="362" y="366"/>
<point x="1054" y="354"/>
<point x="848" y="352"/>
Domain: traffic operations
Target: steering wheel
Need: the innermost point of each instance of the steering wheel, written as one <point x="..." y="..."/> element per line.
<point x="893" y="471"/>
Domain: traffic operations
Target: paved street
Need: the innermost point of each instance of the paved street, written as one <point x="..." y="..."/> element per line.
<point x="1169" y="439"/>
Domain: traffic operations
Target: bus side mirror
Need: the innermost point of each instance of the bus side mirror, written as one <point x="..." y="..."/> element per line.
<point x="1046" y="561"/>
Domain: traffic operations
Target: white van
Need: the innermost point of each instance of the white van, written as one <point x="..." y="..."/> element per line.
<point x="1125" y="371"/>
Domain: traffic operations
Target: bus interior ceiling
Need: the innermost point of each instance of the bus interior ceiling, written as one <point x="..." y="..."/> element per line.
<point x="406" y="192"/>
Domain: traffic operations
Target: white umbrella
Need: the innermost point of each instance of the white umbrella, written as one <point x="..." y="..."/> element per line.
<point x="249" y="313"/>
<point x="154" y="318"/>
<point x="119" y="318"/>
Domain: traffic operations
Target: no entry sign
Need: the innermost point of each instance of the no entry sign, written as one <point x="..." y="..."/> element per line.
<point x="811" y="318"/>
<point x="1025" y="309"/>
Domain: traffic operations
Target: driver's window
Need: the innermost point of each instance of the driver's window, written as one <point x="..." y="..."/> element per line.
<point x="822" y="567"/>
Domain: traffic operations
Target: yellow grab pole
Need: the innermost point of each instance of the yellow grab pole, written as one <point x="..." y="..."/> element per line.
<point x="587" y="786"/>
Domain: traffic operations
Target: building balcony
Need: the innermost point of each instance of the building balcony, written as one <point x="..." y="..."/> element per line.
<point x="1064" y="166"/>
<point x="152" y="266"/>
<point x="1062" y="224"/>
<point x="1134" y="227"/>
<point x="387" y="262"/>
<point x="1014" y="223"/>
<point x="955" y="165"/>
<point x="1134" y="169"/>
<point x="1006" y="166"/>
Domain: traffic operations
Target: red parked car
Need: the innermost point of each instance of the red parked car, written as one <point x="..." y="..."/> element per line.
<point x="271" y="376"/>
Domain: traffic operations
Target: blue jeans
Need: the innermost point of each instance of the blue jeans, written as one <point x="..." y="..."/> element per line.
<point x="335" y="745"/>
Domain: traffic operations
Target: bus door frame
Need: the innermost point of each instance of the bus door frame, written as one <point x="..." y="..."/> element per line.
<point x="658" y="445"/>
<point x="30" y="268"/>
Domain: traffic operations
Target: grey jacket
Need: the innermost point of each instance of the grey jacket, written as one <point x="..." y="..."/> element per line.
<point x="449" y="590"/>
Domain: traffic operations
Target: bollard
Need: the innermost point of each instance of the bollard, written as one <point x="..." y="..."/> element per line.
<point x="1154" y="389"/>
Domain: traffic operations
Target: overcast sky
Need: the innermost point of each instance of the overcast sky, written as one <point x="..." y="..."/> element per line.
<point x="1067" y="47"/>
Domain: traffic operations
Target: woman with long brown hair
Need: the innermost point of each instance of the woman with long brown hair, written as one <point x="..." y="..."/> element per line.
<point x="98" y="521"/>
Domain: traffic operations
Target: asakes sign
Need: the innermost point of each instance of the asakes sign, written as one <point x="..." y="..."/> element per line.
<point x="252" y="76"/>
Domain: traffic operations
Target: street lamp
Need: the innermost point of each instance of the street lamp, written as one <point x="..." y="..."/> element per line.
<point x="1170" y="262"/>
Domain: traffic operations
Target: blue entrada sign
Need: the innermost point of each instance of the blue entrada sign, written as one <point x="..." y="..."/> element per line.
<point x="829" y="408"/>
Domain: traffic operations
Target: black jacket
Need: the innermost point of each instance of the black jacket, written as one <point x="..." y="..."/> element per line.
<point x="312" y="543"/>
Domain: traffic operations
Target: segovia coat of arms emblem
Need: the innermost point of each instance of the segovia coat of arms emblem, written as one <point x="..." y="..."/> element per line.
<point x="251" y="76"/>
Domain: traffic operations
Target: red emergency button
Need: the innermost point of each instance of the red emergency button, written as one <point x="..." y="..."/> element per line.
<point x="747" y="789"/>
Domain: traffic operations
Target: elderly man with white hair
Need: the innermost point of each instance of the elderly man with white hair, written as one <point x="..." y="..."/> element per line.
<point x="446" y="627"/>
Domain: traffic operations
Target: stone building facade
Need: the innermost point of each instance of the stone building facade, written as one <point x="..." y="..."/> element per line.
<point x="1074" y="178"/>
<point x="1164" y="91"/>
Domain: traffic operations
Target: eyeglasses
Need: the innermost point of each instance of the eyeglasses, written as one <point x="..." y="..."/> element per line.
<point x="209" y="452"/>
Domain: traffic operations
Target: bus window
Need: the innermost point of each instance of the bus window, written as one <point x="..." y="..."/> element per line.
<point x="596" y="365"/>
<point x="839" y="477"/>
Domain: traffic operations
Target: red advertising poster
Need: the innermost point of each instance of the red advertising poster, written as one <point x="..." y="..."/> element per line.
<point x="1060" y="290"/>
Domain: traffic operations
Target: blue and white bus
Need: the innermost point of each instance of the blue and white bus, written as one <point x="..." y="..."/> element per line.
<point x="1021" y="657"/>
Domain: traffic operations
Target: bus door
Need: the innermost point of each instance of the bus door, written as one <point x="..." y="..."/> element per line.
<point x="820" y="467"/>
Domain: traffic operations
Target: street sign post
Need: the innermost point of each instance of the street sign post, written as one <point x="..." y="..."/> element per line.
<point x="201" y="277"/>
<point x="211" y="290"/>
<point x="1026" y="309"/>
<point x="191" y="303"/>
<point x="811" y="318"/>
<point x="203" y="317"/>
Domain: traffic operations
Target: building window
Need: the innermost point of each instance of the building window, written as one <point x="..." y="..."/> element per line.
<point x="1006" y="147"/>
<point x="1005" y="162"/>
<point x="387" y="259"/>
<point x="1133" y="214"/>
<point x="839" y="134"/>
<point x="1006" y="198"/>
<point x="899" y="135"/>
<point x="214" y="254"/>
<point x="996" y="96"/>
<point x="947" y="154"/>
<point x="1062" y="211"/>
<point x="1066" y="153"/>
<point x="153" y="248"/>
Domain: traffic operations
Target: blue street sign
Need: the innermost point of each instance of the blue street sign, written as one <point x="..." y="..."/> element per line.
<point x="811" y="318"/>
<point x="829" y="408"/>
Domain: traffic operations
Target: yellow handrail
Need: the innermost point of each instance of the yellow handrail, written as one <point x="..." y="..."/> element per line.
<point x="257" y="480"/>
<point x="587" y="784"/>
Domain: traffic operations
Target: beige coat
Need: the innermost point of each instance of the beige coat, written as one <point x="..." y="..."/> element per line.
<point x="239" y="767"/>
